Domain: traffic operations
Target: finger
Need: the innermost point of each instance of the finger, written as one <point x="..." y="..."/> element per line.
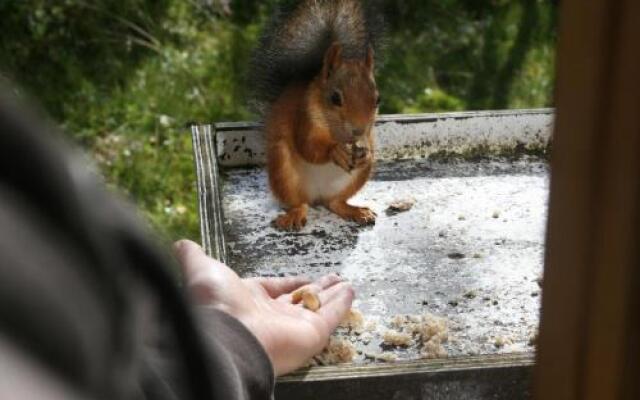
<point x="328" y="294"/>
<point x="310" y="288"/>
<point x="336" y="308"/>
<point x="278" y="286"/>
<point x="195" y="263"/>
<point x="186" y="253"/>
<point x="328" y="280"/>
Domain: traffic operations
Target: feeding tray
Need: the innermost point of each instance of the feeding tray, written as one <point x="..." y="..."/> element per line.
<point x="469" y="250"/>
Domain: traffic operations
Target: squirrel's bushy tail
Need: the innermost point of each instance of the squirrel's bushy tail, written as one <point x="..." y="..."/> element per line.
<point x="293" y="43"/>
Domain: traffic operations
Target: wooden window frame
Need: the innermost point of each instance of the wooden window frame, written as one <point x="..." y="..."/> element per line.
<point x="589" y="335"/>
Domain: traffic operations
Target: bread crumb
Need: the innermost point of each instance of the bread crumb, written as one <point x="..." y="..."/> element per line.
<point x="433" y="349"/>
<point x="353" y="321"/>
<point x="365" y="338"/>
<point x="401" y="321"/>
<point x="399" y="206"/>
<point x="370" y="326"/>
<point x="501" y="341"/>
<point x="398" y="321"/>
<point x="337" y="351"/>
<point x="424" y="333"/>
<point x="432" y="327"/>
<point x="395" y="338"/>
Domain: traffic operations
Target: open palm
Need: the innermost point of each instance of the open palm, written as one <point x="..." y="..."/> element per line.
<point x="290" y="334"/>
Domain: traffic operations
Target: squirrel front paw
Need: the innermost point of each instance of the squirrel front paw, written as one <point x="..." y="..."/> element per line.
<point x="350" y="156"/>
<point x="360" y="156"/>
<point x="341" y="156"/>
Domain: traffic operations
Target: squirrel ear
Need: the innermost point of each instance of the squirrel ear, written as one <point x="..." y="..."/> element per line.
<point x="332" y="59"/>
<point x="369" y="59"/>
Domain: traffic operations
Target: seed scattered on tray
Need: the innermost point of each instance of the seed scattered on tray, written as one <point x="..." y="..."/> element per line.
<point x="430" y="333"/>
<point x="501" y="341"/>
<point x="399" y="206"/>
<point x="470" y="295"/>
<point x="365" y="338"/>
<point x="353" y="321"/>
<point x="395" y="338"/>
<point x="385" y="356"/>
<point x="338" y="351"/>
<point x="433" y="328"/>
<point x="425" y="334"/>
<point x="370" y="326"/>
<point x="433" y="349"/>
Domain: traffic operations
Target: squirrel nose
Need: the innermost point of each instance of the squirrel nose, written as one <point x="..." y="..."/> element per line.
<point x="357" y="132"/>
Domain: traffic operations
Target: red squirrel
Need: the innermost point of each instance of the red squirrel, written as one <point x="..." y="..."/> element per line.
<point x="315" y="67"/>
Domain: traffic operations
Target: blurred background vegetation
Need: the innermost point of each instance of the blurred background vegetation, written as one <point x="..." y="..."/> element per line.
<point x="124" y="77"/>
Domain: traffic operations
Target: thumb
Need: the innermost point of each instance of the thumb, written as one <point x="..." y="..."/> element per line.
<point x="205" y="278"/>
<point x="189" y="255"/>
<point x="194" y="261"/>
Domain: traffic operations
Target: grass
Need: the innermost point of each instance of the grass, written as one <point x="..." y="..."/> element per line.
<point x="137" y="132"/>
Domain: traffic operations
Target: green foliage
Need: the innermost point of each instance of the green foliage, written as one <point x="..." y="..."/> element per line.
<point x="433" y="100"/>
<point x="54" y="48"/>
<point x="476" y="51"/>
<point x="124" y="77"/>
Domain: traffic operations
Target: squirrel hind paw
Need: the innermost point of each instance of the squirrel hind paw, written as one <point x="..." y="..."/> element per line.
<point x="293" y="220"/>
<point x="364" y="216"/>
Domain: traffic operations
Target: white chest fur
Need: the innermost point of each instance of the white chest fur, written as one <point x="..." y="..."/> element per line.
<point x="323" y="181"/>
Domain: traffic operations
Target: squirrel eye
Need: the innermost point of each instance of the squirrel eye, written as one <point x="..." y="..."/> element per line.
<point x="336" y="99"/>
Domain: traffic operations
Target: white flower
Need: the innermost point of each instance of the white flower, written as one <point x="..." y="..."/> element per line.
<point x="165" y="120"/>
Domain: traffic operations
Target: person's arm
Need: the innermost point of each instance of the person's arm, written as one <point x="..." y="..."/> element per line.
<point x="86" y="294"/>
<point x="24" y="378"/>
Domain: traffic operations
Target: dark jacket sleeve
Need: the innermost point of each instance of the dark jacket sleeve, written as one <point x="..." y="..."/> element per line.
<point x="88" y="297"/>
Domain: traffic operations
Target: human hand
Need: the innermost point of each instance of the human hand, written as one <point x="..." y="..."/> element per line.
<point x="289" y="333"/>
